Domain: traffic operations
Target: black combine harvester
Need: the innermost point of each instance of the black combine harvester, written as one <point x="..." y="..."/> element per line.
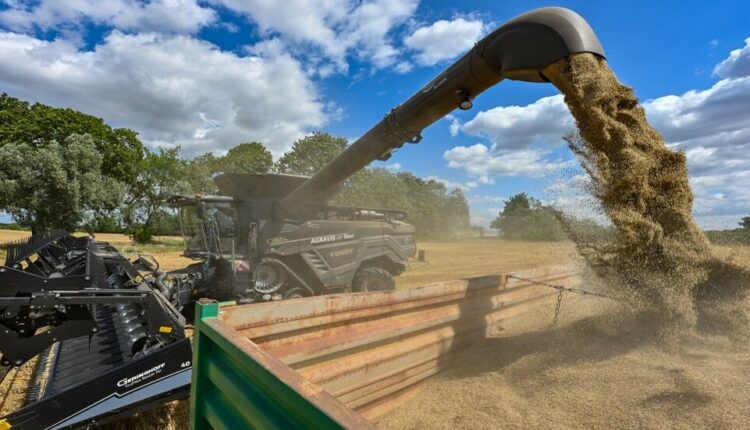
<point x="108" y="332"/>
<point x="249" y="252"/>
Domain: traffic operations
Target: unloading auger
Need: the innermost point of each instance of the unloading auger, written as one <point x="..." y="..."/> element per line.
<point x="518" y="50"/>
<point x="110" y="342"/>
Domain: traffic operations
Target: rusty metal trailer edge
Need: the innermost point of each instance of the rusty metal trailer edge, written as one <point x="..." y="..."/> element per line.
<point x="343" y="361"/>
<point x="235" y="383"/>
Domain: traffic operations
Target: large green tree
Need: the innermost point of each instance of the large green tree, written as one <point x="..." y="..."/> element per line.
<point x="526" y="218"/>
<point x="309" y="154"/>
<point x="250" y="157"/>
<point x="376" y="188"/>
<point x="199" y="173"/>
<point x="161" y="175"/>
<point x="53" y="186"/>
<point x="745" y="223"/>
<point x="38" y="125"/>
<point x="435" y="212"/>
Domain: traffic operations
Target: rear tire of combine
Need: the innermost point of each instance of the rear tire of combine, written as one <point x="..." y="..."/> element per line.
<point x="372" y="279"/>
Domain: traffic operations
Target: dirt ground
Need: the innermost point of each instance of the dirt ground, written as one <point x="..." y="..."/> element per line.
<point x="599" y="368"/>
<point x="602" y="366"/>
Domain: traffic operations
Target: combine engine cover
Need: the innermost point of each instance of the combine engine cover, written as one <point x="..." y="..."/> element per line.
<point x="108" y="342"/>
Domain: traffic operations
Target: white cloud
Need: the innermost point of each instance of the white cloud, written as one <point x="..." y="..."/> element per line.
<point x="737" y="64"/>
<point x="480" y="161"/>
<point x="403" y="67"/>
<point x="455" y="126"/>
<point x="444" y="40"/>
<point x="394" y="167"/>
<point x="335" y="28"/>
<point x="177" y="16"/>
<point x="711" y="125"/>
<point x="171" y="89"/>
<point x="322" y="32"/>
<point x="486" y="199"/>
<point x="516" y="127"/>
<point x="450" y="185"/>
<point x="722" y="108"/>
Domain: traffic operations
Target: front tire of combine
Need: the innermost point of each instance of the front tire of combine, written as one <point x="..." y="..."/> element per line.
<point x="372" y="279"/>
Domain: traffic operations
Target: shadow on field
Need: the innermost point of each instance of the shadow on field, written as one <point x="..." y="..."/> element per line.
<point x="588" y="340"/>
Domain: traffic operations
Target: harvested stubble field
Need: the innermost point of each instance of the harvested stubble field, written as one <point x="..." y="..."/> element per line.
<point x="600" y="368"/>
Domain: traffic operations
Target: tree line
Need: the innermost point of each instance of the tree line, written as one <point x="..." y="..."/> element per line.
<point x="63" y="169"/>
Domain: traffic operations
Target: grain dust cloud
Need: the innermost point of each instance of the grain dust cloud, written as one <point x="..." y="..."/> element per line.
<point x="670" y="352"/>
<point x="661" y="258"/>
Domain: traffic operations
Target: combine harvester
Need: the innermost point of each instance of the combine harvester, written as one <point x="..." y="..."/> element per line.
<point x="111" y="341"/>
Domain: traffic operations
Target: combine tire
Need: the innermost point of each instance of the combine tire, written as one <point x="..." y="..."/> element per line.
<point x="297" y="293"/>
<point x="373" y="279"/>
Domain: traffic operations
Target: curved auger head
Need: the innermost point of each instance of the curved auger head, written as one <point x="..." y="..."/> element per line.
<point x="525" y="45"/>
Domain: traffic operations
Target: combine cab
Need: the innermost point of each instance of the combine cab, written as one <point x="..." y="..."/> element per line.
<point x="251" y="253"/>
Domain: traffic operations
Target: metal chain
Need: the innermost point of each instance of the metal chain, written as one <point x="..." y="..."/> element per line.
<point x="557" y="307"/>
<point x="561" y="289"/>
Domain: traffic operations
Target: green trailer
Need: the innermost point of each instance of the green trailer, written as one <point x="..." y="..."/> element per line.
<point x="343" y="361"/>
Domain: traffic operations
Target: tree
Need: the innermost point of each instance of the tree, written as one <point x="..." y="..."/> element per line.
<point x="456" y="211"/>
<point x="435" y="212"/>
<point x="525" y="218"/>
<point x="745" y="223"/>
<point x="38" y="125"/>
<point x="309" y="154"/>
<point x="53" y="186"/>
<point x="376" y="188"/>
<point x="199" y="173"/>
<point x="519" y="204"/>
<point x="161" y="175"/>
<point x="250" y="157"/>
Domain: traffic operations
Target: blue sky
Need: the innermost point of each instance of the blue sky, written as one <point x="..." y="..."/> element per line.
<point x="207" y="75"/>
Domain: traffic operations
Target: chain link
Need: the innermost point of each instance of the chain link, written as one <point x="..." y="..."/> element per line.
<point x="557" y="307"/>
<point x="561" y="289"/>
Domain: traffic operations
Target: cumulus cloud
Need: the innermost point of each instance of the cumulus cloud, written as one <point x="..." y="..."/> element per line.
<point x="322" y="32"/>
<point x="450" y="185"/>
<point x="444" y="40"/>
<point x="486" y="199"/>
<point x="711" y="125"/>
<point x="480" y="161"/>
<point x="334" y="28"/>
<point x="172" y="89"/>
<point x="179" y="16"/>
<point x="517" y="127"/>
<point x="737" y="64"/>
